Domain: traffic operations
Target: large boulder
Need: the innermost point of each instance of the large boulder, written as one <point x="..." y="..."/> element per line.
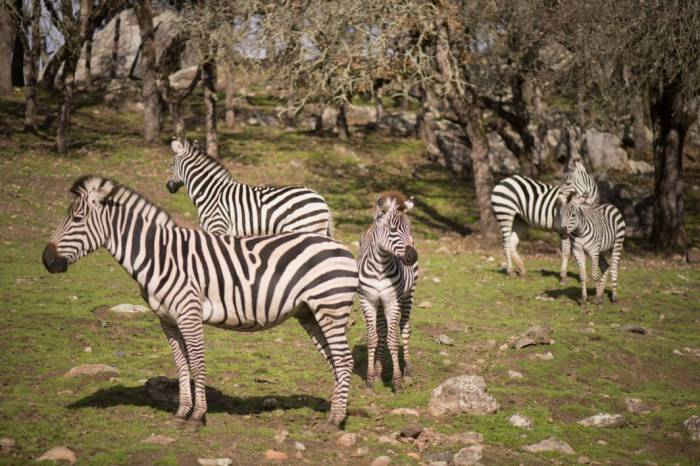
<point x="462" y="394"/>
<point x="361" y="115"/>
<point x="605" y="151"/>
<point x="181" y="79"/>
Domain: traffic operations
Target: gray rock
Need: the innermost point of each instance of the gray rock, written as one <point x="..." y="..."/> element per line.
<point x="605" y="151"/>
<point x="444" y="340"/>
<point x="693" y="255"/>
<point x="299" y="446"/>
<point x="405" y="412"/>
<point x="92" y="369"/>
<point x="604" y="420"/>
<point x="467" y="438"/>
<point x="215" y="461"/>
<point x="515" y="374"/>
<point x="381" y="461"/>
<point x="637" y="406"/>
<point x="347" y="440"/>
<point x="468" y="456"/>
<point x="361" y="452"/>
<point x="437" y="457"/>
<point x="639" y="167"/>
<point x="550" y="444"/>
<point x="693" y="426"/>
<point x="411" y="431"/>
<point x="361" y="115"/>
<point x="462" y="394"/>
<point x="59" y="454"/>
<point x="518" y="420"/>
<point x="281" y="436"/>
<point x="129" y="308"/>
<point x="425" y="304"/>
<point x="181" y="79"/>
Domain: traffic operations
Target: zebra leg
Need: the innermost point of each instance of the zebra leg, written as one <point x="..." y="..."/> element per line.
<point x="370" y="313"/>
<point x="332" y="324"/>
<point x="565" y="253"/>
<point x="506" y="251"/>
<point x="382" y="332"/>
<point x="519" y="264"/>
<point x="615" y="262"/>
<point x="405" y="325"/>
<point x="393" y="317"/>
<point x="580" y="257"/>
<point x="177" y="344"/>
<point x="602" y="280"/>
<point x="191" y="326"/>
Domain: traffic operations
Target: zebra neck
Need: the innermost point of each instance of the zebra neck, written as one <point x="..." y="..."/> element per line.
<point x="204" y="176"/>
<point x="379" y="257"/>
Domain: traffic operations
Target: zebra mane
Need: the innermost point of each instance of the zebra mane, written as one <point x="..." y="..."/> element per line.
<point x="392" y="199"/>
<point x="193" y="147"/>
<point x="121" y="195"/>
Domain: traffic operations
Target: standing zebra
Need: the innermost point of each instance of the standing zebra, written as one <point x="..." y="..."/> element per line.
<point x="520" y="199"/>
<point x="594" y="231"/>
<point x="227" y="207"/>
<point x="388" y="271"/>
<point x="190" y="278"/>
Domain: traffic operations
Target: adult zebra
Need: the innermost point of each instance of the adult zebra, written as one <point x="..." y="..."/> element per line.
<point x="227" y="207"/>
<point x="190" y="278"/>
<point x="521" y="199"/>
<point x="388" y="271"/>
<point x="594" y="231"/>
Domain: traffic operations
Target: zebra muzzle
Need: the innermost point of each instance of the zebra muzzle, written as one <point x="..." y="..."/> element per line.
<point x="410" y="256"/>
<point x="173" y="186"/>
<point x="52" y="261"/>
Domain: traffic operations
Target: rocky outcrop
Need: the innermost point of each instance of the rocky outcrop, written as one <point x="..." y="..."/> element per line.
<point x="462" y="394"/>
<point x="634" y="201"/>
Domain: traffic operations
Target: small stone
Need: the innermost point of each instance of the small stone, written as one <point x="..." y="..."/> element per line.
<point x="693" y="426"/>
<point x="544" y="297"/>
<point x="128" y="308"/>
<point x="65" y="392"/>
<point x="468" y="456"/>
<point x="634" y="329"/>
<point x="583" y="460"/>
<point x="467" y="438"/>
<point x="92" y="369"/>
<point x="360" y="452"/>
<point x="443" y="250"/>
<point x="550" y="444"/>
<point x="7" y="445"/>
<point x="159" y="440"/>
<point x="503" y="347"/>
<point x="603" y="420"/>
<point x="462" y="394"/>
<point x="518" y="420"/>
<point x="281" y="436"/>
<point x="436" y="280"/>
<point x="411" y="431"/>
<point x="693" y="255"/>
<point x="515" y="375"/>
<point x="387" y="439"/>
<point x="59" y="454"/>
<point x="275" y="455"/>
<point x="405" y="412"/>
<point x="347" y="440"/>
<point x="602" y="442"/>
<point x="637" y="406"/>
<point x="87" y="349"/>
<point x="381" y="461"/>
<point x="548" y="356"/>
<point x="299" y="446"/>
<point x="678" y="352"/>
<point x="444" y="340"/>
<point x="215" y="461"/>
<point x="438" y="457"/>
<point x="425" y="304"/>
<point x="414" y="455"/>
<point x="269" y="402"/>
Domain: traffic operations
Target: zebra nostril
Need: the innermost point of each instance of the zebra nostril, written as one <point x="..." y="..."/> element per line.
<point x="49" y="255"/>
<point x="410" y="256"/>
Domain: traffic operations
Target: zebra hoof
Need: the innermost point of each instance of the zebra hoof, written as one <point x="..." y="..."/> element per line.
<point x="194" y="425"/>
<point x="332" y="425"/>
<point x="613" y="298"/>
<point x="407" y="371"/>
<point x="369" y="383"/>
<point x="398" y="385"/>
<point x="178" y="421"/>
<point x="562" y="281"/>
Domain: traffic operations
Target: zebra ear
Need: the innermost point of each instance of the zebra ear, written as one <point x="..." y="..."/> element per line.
<point x="177" y="146"/>
<point x="99" y="195"/>
<point x="409" y="203"/>
<point x="380" y="203"/>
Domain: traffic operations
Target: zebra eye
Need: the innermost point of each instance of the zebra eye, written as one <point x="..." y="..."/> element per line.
<point x="77" y="218"/>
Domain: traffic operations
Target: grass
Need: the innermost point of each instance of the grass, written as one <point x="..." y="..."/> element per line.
<point x="47" y="321"/>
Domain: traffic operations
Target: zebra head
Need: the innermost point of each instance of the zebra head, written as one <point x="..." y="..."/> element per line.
<point x="181" y="150"/>
<point x="569" y="214"/>
<point x="82" y="230"/>
<point x="578" y="181"/>
<point x="392" y="228"/>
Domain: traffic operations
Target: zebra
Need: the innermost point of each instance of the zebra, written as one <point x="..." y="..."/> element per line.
<point x="518" y="198"/>
<point x="388" y="271"/>
<point x="594" y="231"/>
<point x="227" y="207"/>
<point x="190" y="277"/>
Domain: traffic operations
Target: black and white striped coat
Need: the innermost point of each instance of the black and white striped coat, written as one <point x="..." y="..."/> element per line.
<point x="388" y="270"/>
<point x="227" y="207"/>
<point x="190" y="278"/>
<point x="519" y="199"/>
<point x="594" y="231"/>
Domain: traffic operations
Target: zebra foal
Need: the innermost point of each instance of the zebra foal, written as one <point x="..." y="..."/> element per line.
<point x="388" y="271"/>
<point x="594" y="231"/>
<point x="190" y="278"/>
<point x="227" y="207"/>
<point x="520" y="199"/>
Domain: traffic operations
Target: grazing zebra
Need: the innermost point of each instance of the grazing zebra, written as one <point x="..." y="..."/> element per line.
<point x="388" y="271"/>
<point x="190" y="278"/>
<point x="227" y="207"/>
<point x="594" y="231"/>
<point x="520" y="199"/>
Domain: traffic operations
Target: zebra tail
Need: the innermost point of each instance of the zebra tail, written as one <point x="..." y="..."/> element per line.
<point x="329" y="230"/>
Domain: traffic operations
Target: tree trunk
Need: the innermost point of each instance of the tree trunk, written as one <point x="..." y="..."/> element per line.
<point x="670" y="124"/>
<point x="48" y="78"/>
<point x="18" y="52"/>
<point x="8" y="31"/>
<point x="642" y="143"/>
<point x="114" y="62"/>
<point x="64" y="110"/>
<point x="209" y="84"/>
<point x="31" y="64"/>
<point x="151" y="105"/>
<point x="88" y="62"/>
<point x="341" y="122"/>
<point x="230" y="98"/>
